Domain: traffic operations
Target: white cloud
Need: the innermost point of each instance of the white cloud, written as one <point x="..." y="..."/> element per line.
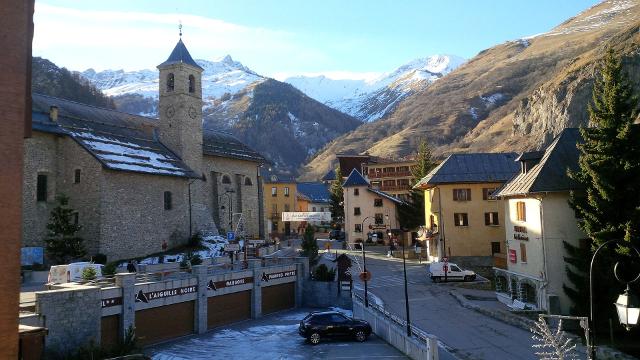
<point x="334" y="75"/>
<point x="79" y="39"/>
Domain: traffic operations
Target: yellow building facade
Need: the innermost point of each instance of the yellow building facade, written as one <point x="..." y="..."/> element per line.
<point x="279" y="196"/>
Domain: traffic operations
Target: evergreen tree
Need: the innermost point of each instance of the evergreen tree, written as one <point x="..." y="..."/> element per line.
<point x="62" y="244"/>
<point x="309" y="245"/>
<point x="609" y="168"/>
<point x="411" y="213"/>
<point x="337" y="198"/>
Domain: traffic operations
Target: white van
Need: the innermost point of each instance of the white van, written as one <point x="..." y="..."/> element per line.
<point x="436" y="272"/>
<point x="60" y="274"/>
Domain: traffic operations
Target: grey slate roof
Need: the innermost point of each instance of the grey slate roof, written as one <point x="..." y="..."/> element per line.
<point x="355" y="179"/>
<point x="315" y="192"/>
<point x="472" y="168"/>
<point x="550" y="174"/>
<point x="385" y="195"/>
<point x="119" y="141"/>
<point x="180" y="54"/>
<point x="220" y="143"/>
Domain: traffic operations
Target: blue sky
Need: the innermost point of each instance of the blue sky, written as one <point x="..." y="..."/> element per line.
<point x="354" y="38"/>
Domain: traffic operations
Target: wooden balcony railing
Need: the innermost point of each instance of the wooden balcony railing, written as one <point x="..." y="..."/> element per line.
<point x="395" y="187"/>
<point x="378" y="175"/>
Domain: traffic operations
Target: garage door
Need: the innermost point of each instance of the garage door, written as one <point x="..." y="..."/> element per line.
<point x="110" y="331"/>
<point x="278" y="297"/>
<point x="229" y="308"/>
<point x="164" y="322"/>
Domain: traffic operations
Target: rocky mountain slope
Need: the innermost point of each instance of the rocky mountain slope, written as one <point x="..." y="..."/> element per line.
<point x="370" y="100"/>
<point x="49" y="79"/>
<point x="514" y="96"/>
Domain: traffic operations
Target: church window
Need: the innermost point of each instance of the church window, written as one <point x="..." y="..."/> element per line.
<point x="170" y="82"/>
<point x="76" y="176"/>
<point x="226" y="179"/>
<point x="167" y="200"/>
<point x="192" y="84"/>
<point x="247" y="181"/>
<point x="41" y="188"/>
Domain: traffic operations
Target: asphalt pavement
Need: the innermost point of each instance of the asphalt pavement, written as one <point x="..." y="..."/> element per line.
<point x="463" y="333"/>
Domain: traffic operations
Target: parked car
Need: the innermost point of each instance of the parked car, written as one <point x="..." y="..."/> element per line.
<point x="60" y="274"/>
<point x="336" y="235"/>
<point x="454" y="272"/>
<point x="332" y="324"/>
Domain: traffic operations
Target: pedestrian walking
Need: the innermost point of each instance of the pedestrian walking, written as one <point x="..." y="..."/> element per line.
<point x="131" y="267"/>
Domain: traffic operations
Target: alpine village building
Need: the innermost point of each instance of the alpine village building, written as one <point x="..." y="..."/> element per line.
<point x="539" y="221"/>
<point x="463" y="220"/>
<point x="140" y="185"/>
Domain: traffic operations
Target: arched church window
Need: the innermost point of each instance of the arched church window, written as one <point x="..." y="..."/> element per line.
<point x="170" y="82"/>
<point x="226" y="179"/>
<point x="192" y="84"/>
<point x="247" y="181"/>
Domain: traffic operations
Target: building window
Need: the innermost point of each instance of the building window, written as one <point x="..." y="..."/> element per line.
<point x="274" y="191"/>
<point x="286" y="207"/>
<point x="379" y="219"/>
<point x="321" y="209"/>
<point x="495" y="247"/>
<point x="76" y="176"/>
<point x="521" y="211"/>
<point x="461" y="194"/>
<point x="274" y="208"/>
<point x="170" y="82"/>
<point x="356" y="192"/>
<point x="491" y="218"/>
<point x="523" y="252"/>
<point x="313" y="209"/>
<point x="356" y="211"/>
<point x="248" y="182"/>
<point x="41" y="188"/>
<point x="192" y="84"/>
<point x="167" y="200"/>
<point x="76" y="218"/>
<point x="460" y="219"/>
<point x="226" y="179"/>
<point x="286" y="191"/>
<point x="377" y="202"/>
<point x="486" y="193"/>
<point x="358" y="228"/>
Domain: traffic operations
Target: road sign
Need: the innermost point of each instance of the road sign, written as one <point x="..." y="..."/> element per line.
<point x="231" y="235"/>
<point x="365" y="275"/>
<point x="256" y="242"/>
<point x="231" y="247"/>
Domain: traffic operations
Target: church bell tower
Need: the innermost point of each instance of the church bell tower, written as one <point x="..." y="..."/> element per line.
<point x="180" y="105"/>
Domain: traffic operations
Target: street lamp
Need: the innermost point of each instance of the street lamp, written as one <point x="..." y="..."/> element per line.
<point x="627" y="305"/>
<point x="364" y="265"/>
<point x="228" y="195"/>
<point x="406" y="293"/>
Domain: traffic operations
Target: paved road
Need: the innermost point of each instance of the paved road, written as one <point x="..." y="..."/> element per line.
<point x="271" y="337"/>
<point x="466" y="333"/>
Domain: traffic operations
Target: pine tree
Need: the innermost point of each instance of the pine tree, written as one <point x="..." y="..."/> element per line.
<point x="309" y="245"/>
<point x="609" y="169"/>
<point x="337" y="198"/>
<point x="411" y="213"/>
<point x="62" y="244"/>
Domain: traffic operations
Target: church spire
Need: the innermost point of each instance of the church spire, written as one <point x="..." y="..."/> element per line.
<point x="180" y="28"/>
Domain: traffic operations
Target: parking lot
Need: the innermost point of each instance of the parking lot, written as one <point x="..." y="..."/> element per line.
<point x="271" y="337"/>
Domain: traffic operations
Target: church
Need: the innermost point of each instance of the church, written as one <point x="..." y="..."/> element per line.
<point x="137" y="184"/>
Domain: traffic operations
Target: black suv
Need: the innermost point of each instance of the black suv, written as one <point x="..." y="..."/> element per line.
<point x="326" y="324"/>
<point x="336" y="235"/>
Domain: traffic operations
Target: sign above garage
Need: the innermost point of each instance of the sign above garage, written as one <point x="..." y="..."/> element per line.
<point x="306" y="216"/>
<point x="228" y="283"/>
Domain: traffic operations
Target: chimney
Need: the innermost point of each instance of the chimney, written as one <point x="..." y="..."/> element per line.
<point x="53" y="113"/>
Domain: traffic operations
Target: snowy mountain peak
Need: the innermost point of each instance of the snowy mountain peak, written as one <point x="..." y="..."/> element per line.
<point x="369" y="100"/>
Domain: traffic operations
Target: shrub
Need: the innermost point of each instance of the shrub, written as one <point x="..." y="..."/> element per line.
<point x="195" y="259"/>
<point x="88" y="273"/>
<point x="110" y="269"/>
<point x="99" y="258"/>
<point x="323" y="273"/>
<point x="195" y="241"/>
<point x="309" y="245"/>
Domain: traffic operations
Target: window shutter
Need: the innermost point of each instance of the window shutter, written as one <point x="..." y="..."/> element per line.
<point x="485" y="194"/>
<point x="455" y="194"/>
<point x="41" y="188"/>
<point x="468" y="194"/>
<point x="523" y="252"/>
<point x="465" y="219"/>
<point x="496" y="221"/>
<point x="487" y="218"/>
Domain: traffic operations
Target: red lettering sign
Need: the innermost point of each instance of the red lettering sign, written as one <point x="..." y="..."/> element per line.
<point x="513" y="257"/>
